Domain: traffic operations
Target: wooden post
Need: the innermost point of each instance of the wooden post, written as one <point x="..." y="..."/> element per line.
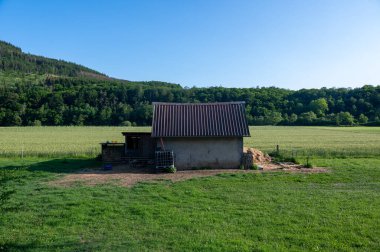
<point x="278" y="150"/>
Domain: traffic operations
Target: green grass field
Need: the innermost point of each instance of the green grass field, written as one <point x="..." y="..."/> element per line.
<point x="273" y="211"/>
<point x="84" y="141"/>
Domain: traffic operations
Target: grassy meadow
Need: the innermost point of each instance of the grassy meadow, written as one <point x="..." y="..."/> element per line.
<point x="272" y="211"/>
<point x="74" y="141"/>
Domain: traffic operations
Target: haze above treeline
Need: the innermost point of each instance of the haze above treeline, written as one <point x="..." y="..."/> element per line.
<point x="36" y="90"/>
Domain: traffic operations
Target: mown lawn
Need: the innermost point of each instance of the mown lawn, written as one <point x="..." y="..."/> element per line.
<point x="335" y="211"/>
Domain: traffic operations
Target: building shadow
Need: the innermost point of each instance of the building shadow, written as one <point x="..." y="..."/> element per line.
<point x="78" y="165"/>
<point x="58" y="165"/>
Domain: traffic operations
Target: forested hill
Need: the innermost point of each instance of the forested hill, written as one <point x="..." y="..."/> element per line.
<point x="35" y="90"/>
<point x="12" y="58"/>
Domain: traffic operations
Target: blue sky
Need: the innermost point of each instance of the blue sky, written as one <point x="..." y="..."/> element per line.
<point x="291" y="44"/>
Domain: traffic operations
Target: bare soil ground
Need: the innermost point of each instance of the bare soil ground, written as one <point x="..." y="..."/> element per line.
<point x="126" y="176"/>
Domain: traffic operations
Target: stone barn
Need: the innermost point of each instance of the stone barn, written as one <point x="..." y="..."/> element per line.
<point x="197" y="135"/>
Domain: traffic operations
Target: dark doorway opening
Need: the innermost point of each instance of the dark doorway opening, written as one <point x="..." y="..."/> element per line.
<point x="133" y="143"/>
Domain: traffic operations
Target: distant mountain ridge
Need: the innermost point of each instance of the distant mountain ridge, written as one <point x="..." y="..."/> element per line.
<point x="12" y="58"/>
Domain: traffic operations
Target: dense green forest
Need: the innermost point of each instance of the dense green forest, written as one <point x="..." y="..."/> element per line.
<point x="35" y="90"/>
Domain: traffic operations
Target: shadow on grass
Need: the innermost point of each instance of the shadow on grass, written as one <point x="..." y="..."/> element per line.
<point x="73" y="165"/>
<point x="38" y="246"/>
<point x="63" y="165"/>
<point x="17" y="247"/>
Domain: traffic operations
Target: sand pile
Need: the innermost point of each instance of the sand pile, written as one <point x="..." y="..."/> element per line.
<point x="257" y="155"/>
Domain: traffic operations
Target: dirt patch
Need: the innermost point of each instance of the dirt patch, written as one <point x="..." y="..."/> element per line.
<point x="127" y="176"/>
<point x="291" y="167"/>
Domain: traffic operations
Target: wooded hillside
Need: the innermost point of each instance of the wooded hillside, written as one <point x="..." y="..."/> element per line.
<point x="35" y="90"/>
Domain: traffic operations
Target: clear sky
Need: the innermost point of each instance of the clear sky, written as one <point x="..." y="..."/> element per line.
<point x="291" y="44"/>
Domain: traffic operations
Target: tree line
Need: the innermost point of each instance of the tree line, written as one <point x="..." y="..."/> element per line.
<point x="91" y="101"/>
